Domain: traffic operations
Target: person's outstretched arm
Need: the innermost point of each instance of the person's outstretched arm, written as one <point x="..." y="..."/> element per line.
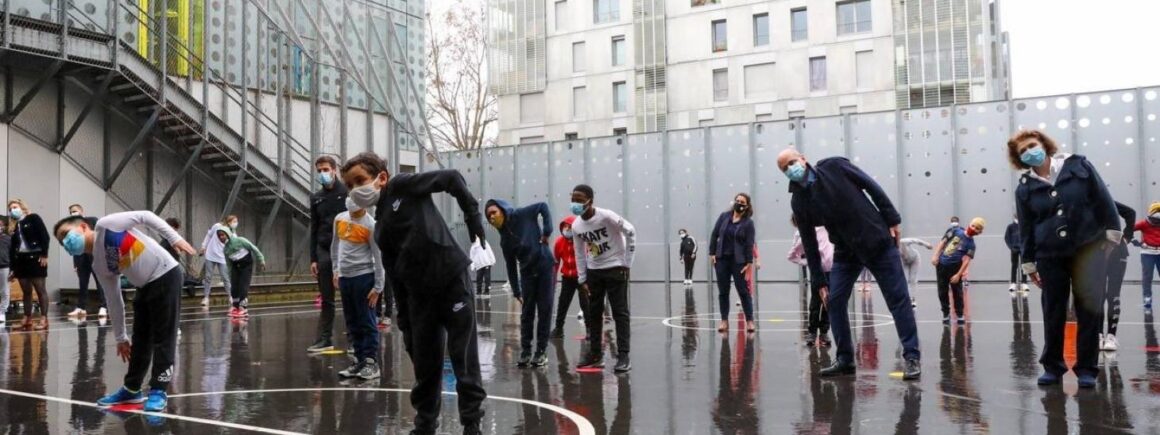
<point x="447" y="181"/>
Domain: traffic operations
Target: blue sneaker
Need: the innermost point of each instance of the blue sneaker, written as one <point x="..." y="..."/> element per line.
<point x="121" y="397"/>
<point x="156" y="402"/>
<point x="1086" y="381"/>
<point x="1049" y="378"/>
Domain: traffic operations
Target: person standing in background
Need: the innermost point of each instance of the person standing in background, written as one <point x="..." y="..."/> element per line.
<point x="688" y="254"/>
<point x="731" y="247"/>
<point x="1018" y="278"/>
<point x="325" y="205"/>
<point x="83" y="266"/>
<point x="215" y="259"/>
<point x="910" y="262"/>
<point x="1149" y="227"/>
<point x="5" y="243"/>
<point x="483" y="281"/>
<point x="1117" y="266"/>
<point x="819" y="323"/>
<point x="955" y="256"/>
<point x="241" y="254"/>
<point x="29" y="256"/>
<point x="565" y="252"/>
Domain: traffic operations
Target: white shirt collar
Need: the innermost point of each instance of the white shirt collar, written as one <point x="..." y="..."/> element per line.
<point x="1056" y="166"/>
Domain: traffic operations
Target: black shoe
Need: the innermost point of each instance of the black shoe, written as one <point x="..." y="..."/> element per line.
<point x="946" y="320"/>
<point x="558" y="333"/>
<point x="525" y="359"/>
<point x="322" y="345"/>
<point x="838" y="369"/>
<point x="592" y="361"/>
<point x="913" y="370"/>
<point x="811" y="339"/>
<point x="540" y="360"/>
<point x="623" y="365"/>
<point x="472" y="429"/>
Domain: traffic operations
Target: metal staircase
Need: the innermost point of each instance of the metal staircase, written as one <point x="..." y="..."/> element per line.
<point x="166" y="106"/>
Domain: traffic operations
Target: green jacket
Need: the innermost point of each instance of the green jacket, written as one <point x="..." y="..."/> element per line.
<point x="236" y="244"/>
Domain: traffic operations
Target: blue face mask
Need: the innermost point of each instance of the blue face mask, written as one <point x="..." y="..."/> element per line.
<point x="16" y="213"/>
<point x="568" y="234"/>
<point x="578" y="208"/>
<point x="1033" y="157"/>
<point x="74" y="243"/>
<point x="796" y="171"/>
<point x="325" y="178"/>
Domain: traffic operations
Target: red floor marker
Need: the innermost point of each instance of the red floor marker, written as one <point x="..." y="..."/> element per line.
<point x="127" y="407"/>
<point x="580" y="337"/>
<point x="590" y="370"/>
<point x="1151" y="348"/>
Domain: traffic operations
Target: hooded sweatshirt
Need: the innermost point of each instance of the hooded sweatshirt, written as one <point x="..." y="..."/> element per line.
<point x="237" y="248"/>
<point x="520" y="239"/>
<point x="565" y="252"/>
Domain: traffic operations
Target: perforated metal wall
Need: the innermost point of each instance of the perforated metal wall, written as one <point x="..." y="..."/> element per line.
<point x="933" y="163"/>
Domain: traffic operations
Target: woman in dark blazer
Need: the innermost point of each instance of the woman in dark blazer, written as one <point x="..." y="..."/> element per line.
<point x="29" y="256"/>
<point x="731" y="252"/>
<point x="1068" y="226"/>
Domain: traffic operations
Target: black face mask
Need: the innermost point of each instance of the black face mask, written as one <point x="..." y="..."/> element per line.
<point x="739" y="208"/>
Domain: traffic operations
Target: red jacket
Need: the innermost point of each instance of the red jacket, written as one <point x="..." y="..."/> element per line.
<point x="1151" y="233"/>
<point x="565" y="252"/>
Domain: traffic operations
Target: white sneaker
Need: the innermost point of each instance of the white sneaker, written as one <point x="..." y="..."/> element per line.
<point x="913" y="303"/>
<point x="103" y="313"/>
<point x="1026" y="288"/>
<point x="78" y="313"/>
<point x="1012" y="288"/>
<point x="205" y="302"/>
<point x="1102" y="341"/>
<point x="1110" y="343"/>
<point x="3" y="319"/>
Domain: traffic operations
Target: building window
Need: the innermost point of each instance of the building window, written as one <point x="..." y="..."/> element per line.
<point x="854" y="17"/>
<point x="531" y="139"/>
<point x="817" y="74"/>
<point x="571" y="136"/>
<point x="721" y="85"/>
<point x="622" y="131"/>
<point x="719" y="41"/>
<point x="578" y="103"/>
<point x="605" y="11"/>
<point x="760" y="30"/>
<point x="618" y="50"/>
<point x="561" y="15"/>
<point x="759" y="81"/>
<point x="799" y="28"/>
<point x="407" y="169"/>
<point x="797" y="114"/>
<point x="848" y="110"/>
<point x="578" y="57"/>
<point x="619" y="97"/>
<point x="864" y="66"/>
<point x="695" y="3"/>
<point x="532" y="108"/>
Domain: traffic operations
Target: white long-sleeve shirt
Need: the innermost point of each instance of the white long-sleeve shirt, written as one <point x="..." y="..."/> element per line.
<point x="353" y="249"/>
<point x="121" y="249"/>
<point x="214" y="249"/>
<point x="603" y="242"/>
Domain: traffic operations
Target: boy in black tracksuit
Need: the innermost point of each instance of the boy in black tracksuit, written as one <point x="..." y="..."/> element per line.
<point x="525" y="240"/>
<point x="1015" y="245"/>
<point x="688" y="254"/>
<point x="428" y="270"/>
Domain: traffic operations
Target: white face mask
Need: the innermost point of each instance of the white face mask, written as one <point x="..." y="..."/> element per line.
<point x="234" y="225"/>
<point x="365" y="196"/>
<point x="351" y="206"/>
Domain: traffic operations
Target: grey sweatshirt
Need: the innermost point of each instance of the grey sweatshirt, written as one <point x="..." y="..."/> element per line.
<point x="121" y="249"/>
<point x="353" y="249"/>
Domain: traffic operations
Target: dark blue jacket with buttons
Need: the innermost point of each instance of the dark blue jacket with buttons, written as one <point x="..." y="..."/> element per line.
<point x="853" y="208"/>
<point x="1056" y="220"/>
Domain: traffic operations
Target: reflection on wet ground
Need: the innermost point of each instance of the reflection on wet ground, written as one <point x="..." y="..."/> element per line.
<point x="687" y="378"/>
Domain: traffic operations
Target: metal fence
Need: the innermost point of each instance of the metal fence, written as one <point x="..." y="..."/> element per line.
<point x="933" y="163"/>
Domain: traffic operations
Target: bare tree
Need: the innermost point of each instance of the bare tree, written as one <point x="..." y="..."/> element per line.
<point x="461" y="109"/>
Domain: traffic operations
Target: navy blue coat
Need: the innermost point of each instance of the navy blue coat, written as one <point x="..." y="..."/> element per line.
<point x="835" y="196"/>
<point x="1014" y="243"/>
<point x="520" y="239"/>
<point x="742" y="245"/>
<point x="1056" y="220"/>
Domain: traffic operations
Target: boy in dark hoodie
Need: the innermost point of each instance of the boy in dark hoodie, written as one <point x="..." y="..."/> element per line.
<point x="524" y="240"/>
<point x="565" y="252"/>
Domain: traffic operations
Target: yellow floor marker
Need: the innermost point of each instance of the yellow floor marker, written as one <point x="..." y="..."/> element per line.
<point x="896" y="374"/>
<point x="333" y="352"/>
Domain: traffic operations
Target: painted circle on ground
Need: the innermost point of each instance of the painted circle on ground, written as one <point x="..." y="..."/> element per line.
<point x="583" y="426"/>
<point x="711" y="317"/>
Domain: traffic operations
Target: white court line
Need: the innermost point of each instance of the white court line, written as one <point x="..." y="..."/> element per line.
<point x="151" y="414"/>
<point x="582" y="424"/>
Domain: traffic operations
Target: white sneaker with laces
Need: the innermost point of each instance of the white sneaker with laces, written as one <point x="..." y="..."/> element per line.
<point x="1012" y="288"/>
<point x="1110" y="343"/>
<point x="1026" y="288"/>
<point x="103" y="313"/>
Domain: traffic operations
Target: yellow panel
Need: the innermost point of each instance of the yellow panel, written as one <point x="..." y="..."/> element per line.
<point x="143" y="29"/>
